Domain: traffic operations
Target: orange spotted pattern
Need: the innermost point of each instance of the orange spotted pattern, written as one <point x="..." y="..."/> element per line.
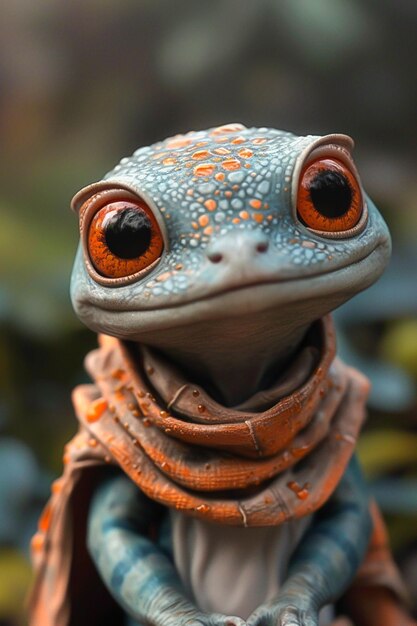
<point x="206" y="183"/>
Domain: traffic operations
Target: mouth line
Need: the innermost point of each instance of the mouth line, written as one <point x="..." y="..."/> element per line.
<point x="249" y="285"/>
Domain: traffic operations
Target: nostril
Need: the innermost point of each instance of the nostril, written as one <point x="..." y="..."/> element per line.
<point x="262" y="247"/>
<point x="215" y="257"/>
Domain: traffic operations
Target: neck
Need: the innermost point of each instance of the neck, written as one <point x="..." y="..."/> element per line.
<point x="233" y="360"/>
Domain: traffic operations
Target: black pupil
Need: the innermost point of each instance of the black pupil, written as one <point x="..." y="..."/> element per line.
<point x="330" y="193"/>
<point x="128" y="233"/>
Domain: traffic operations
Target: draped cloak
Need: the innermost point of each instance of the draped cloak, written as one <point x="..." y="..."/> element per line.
<point x="235" y="466"/>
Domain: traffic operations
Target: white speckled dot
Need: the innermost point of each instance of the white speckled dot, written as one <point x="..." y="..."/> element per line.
<point x="236" y="203"/>
<point x="235" y="177"/>
<point x="264" y="187"/>
<point x="206" y="188"/>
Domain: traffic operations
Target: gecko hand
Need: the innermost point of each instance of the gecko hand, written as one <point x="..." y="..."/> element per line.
<point x="283" y="613"/>
<point x="215" y="619"/>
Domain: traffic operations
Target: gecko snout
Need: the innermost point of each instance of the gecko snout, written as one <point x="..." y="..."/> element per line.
<point x="241" y="248"/>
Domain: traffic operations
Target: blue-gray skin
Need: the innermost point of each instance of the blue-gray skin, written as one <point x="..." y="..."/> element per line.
<point x="138" y="572"/>
<point x="240" y="281"/>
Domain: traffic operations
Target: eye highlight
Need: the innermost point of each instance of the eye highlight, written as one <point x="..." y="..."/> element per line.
<point x="123" y="238"/>
<point x="329" y="198"/>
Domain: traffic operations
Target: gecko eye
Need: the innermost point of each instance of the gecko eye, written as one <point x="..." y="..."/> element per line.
<point x="329" y="197"/>
<point x="123" y="239"/>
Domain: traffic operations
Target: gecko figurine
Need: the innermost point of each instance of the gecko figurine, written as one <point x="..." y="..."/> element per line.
<point x="213" y="480"/>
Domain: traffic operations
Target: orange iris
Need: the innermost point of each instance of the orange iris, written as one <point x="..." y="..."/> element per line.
<point x="124" y="238"/>
<point x="329" y="197"/>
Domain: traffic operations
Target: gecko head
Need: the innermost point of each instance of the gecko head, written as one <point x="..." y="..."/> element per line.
<point x="227" y="223"/>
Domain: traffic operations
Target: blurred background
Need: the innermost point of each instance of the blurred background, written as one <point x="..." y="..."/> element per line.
<point x="85" y="82"/>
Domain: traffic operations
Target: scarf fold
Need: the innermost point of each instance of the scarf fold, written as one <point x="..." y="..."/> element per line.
<point x="228" y="465"/>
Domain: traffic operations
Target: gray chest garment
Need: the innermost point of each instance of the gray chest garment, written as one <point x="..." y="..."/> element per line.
<point x="232" y="570"/>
